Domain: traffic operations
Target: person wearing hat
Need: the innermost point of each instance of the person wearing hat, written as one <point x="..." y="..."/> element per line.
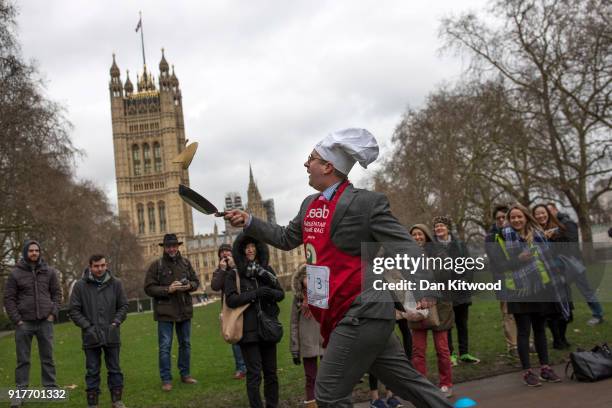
<point x="170" y="281"/>
<point x="355" y="319"/>
<point x="217" y="283"/>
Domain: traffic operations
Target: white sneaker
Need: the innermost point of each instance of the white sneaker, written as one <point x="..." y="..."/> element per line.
<point x="447" y="391"/>
<point x="594" y="321"/>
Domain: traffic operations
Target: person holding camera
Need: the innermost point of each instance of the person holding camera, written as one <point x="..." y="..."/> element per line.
<point x="217" y="283"/>
<point x="170" y="281"/>
<point x="260" y="289"/>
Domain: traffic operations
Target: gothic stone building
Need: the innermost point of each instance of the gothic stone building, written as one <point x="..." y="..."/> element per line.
<point x="148" y="132"/>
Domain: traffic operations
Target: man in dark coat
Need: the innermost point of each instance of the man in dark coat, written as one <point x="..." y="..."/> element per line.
<point x="356" y="319"/>
<point x="98" y="305"/>
<point x="32" y="296"/>
<point x="571" y="231"/>
<point x="170" y="281"/>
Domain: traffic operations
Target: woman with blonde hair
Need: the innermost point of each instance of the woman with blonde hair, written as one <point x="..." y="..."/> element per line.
<point x="533" y="287"/>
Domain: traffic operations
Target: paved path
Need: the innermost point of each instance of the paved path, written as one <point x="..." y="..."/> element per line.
<point x="508" y="391"/>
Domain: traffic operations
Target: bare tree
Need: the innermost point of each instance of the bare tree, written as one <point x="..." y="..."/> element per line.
<point x="464" y="152"/>
<point x="556" y="59"/>
<point x="39" y="195"/>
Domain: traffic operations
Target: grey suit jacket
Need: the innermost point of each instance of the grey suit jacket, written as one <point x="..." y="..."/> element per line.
<point x="362" y="223"/>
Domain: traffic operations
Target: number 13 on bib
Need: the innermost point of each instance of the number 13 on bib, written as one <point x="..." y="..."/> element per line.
<point x="318" y="286"/>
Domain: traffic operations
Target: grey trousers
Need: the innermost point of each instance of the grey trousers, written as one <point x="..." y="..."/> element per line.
<point x="43" y="330"/>
<point x="360" y="345"/>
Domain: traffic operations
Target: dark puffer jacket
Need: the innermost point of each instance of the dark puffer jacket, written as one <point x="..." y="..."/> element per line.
<point x="32" y="291"/>
<point x="249" y="285"/>
<point x="176" y="306"/>
<point x="95" y="306"/>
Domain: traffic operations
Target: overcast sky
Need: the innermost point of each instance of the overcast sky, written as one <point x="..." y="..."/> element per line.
<point x="262" y="81"/>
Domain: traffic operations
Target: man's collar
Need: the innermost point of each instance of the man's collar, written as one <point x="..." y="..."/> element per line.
<point x="328" y="193"/>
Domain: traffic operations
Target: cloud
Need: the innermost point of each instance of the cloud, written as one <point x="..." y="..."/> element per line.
<point x="262" y="81"/>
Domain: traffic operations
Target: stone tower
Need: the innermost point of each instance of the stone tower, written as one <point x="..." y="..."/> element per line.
<point x="148" y="132"/>
<point x="255" y="205"/>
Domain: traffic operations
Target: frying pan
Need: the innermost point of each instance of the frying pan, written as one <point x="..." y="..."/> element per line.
<point x="198" y="202"/>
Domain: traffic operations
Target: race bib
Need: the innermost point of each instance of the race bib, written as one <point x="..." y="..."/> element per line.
<point x="318" y="286"/>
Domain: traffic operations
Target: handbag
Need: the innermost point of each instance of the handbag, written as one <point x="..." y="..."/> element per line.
<point x="590" y="366"/>
<point x="420" y="319"/>
<point x="232" y="319"/>
<point x="269" y="329"/>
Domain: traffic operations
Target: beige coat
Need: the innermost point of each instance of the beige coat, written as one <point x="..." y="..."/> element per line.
<point x="306" y="340"/>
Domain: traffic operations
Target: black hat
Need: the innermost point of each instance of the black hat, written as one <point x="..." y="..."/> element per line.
<point x="170" y="239"/>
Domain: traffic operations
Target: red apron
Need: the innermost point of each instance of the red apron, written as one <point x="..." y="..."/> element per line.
<point x="334" y="277"/>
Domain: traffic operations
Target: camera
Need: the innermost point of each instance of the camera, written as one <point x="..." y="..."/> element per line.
<point x="254" y="269"/>
<point x="184" y="281"/>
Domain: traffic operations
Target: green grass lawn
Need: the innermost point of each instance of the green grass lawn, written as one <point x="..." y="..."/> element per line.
<point x="212" y="361"/>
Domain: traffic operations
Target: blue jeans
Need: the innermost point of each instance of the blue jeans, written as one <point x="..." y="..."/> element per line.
<point x="589" y="295"/>
<point x="240" y="366"/>
<point x="164" y="336"/>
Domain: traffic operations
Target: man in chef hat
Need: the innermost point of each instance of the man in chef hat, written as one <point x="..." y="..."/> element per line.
<point x="357" y="322"/>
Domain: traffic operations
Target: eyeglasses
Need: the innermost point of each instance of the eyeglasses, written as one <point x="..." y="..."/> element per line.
<point x="311" y="158"/>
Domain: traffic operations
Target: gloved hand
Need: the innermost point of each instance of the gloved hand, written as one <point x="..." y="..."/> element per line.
<point x="297" y="361"/>
<point x="265" y="292"/>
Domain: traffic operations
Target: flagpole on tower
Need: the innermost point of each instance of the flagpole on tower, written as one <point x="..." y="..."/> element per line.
<point x="140" y="27"/>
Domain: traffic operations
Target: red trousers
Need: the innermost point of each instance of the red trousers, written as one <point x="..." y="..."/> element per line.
<point x="419" y="350"/>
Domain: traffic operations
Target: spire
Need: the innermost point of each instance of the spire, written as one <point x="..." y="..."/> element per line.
<point x="114" y="69"/>
<point x="114" y="86"/>
<point x="128" y="87"/>
<point x="173" y="79"/>
<point x="145" y="82"/>
<point x="163" y="64"/>
<point x="253" y="192"/>
<point x="255" y="203"/>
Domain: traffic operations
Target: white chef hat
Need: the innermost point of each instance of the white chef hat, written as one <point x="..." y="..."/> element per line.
<point x="345" y="147"/>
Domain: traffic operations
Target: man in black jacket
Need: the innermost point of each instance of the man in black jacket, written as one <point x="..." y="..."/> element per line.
<point x="170" y="281"/>
<point x="31" y="298"/>
<point x="98" y="305"/>
<point x="571" y="230"/>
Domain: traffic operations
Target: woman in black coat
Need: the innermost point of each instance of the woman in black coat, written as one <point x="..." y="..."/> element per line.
<point x="259" y="288"/>
<point x="561" y="240"/>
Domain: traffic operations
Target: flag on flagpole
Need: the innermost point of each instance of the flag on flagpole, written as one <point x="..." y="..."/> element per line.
<point x="139" y="24"/>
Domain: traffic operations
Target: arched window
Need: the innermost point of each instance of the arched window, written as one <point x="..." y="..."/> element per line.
<point x="151" y="213"/>
<point x="146" y="152"/>
<point x="161" y="207"/>
<point x="136" y="159"/>
<point x="157" y="157"/>
<point x="141" y="220"/>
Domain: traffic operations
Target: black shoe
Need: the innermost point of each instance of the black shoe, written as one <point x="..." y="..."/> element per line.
<point x="92" y="399"/>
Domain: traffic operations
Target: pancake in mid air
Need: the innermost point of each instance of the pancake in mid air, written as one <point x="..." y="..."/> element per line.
<point x="186" y="156"/>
